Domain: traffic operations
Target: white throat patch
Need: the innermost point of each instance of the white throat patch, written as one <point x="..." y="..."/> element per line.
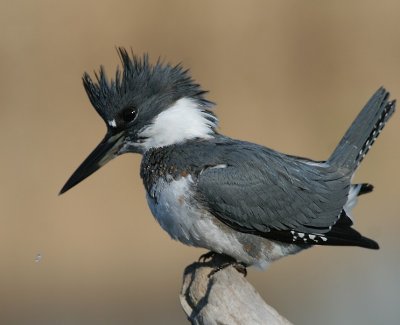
<point x="182" y="121"/>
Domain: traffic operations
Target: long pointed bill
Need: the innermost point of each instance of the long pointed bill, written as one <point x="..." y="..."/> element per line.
<point x="104" y="152"/>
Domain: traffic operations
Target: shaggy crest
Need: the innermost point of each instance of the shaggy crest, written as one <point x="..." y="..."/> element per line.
<point x="139" y="82"/>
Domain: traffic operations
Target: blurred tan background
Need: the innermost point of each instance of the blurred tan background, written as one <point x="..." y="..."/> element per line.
<point x="291" y="75"/>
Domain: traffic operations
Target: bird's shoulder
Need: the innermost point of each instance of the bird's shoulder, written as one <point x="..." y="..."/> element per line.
<point x="178" y="160"/>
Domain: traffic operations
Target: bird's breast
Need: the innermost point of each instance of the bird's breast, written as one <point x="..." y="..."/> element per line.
<point x="172" y="204"/>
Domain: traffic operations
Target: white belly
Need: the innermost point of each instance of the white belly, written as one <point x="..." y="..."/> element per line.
<point x="174" y="208"/>
<point x="172" y="205"/>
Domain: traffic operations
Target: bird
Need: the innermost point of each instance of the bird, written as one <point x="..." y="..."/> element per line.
<point x="231" y="197"/>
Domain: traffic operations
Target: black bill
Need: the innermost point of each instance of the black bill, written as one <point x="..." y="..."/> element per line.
<point x="104" y="152"/>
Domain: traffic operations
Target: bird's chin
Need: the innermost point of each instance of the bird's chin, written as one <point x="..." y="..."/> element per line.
<point x="132" y="147"/>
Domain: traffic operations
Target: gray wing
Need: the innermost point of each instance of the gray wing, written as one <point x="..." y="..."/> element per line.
<point x="259" y="190"/>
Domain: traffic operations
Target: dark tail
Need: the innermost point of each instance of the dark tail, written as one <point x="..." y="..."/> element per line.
<point x="363" y="132"/>
<point x="348" y="236"/>
<point x="365" y="188"/>
<point x="341" y="234"/>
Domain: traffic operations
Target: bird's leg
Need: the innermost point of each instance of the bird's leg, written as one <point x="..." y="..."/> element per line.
<point x="207" y="256"/>
<point x="223" y="262"/>
<point x="239" y="266"/>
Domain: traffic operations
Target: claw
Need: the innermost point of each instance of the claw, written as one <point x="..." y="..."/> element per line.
<point x="207" y="256"/>
<point x="224" y="261"/>
<point x="240" y="267"/>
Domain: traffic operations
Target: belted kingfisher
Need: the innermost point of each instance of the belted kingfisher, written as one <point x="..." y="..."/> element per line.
<point x="207" y="190"/>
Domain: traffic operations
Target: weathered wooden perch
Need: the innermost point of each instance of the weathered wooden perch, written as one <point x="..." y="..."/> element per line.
<point x="224" y="298"/>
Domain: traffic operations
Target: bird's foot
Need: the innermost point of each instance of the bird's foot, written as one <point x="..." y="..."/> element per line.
<point x="207" y="256"/>
<point x="224" y="261"/>
<point x="240" y="267"/>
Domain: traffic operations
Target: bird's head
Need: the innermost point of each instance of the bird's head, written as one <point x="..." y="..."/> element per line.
<point x="146" y="106"/>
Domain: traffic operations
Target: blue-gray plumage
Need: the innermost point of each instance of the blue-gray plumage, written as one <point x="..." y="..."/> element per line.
<point x="233" y="197"/>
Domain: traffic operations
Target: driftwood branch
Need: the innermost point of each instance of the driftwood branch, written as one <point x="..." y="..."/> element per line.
<point x="226" y="297"/>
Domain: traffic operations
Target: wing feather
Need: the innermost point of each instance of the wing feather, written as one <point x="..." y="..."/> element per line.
<point x="262" y="190"/>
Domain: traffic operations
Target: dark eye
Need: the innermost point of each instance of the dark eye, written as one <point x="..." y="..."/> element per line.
<point x="128" y="114"/>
